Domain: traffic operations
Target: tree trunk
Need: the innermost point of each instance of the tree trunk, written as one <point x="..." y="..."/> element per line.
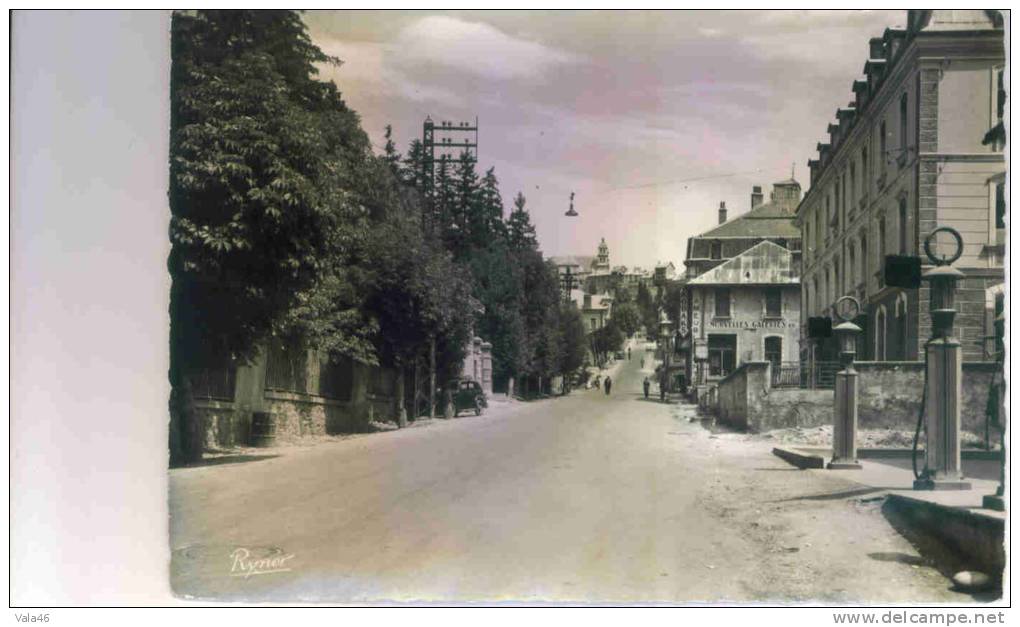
<point x="187" y="440"/>
<point x="401" y="409"/>
<point x="432" y="378"/>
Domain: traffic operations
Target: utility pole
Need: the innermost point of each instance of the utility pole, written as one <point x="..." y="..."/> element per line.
<point x="568" y="282"/>
<point x="443" y="138"/>
<point x="440" y="138"/>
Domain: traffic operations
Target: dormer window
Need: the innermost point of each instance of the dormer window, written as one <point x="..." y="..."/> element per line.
<point x="716" y="250"/>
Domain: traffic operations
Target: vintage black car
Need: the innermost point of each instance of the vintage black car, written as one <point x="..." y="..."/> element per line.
<point x="466" y="394"/>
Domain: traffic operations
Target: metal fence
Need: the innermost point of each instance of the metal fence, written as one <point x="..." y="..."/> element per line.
<point x="336" y="378"/>
<point x="216" y="383"/>
<point x="787" y="374"/>
<point x="286" y="369"/>
<point x="794" y="374"/>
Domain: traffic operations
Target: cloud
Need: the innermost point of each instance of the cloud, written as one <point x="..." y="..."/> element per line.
<point x="373" y="66"/>
<point x="477" y="48"/>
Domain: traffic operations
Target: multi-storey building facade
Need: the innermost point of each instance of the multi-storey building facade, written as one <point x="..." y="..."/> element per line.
<point x="906" y="156"/>
<point x="744" y="296"/>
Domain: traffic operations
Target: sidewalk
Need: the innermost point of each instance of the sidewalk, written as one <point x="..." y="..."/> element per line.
<point x="954" y="518"/>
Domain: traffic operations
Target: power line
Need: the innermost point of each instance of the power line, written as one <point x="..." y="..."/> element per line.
<point x="690" y="180"/>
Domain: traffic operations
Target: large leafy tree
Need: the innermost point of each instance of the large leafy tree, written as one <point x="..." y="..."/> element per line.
<point x="267" y="175"/>
<point x="627" y="317"/>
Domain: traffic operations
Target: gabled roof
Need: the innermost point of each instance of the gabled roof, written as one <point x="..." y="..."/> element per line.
<point x="584" y="261"/>
<point x="763" y="264"/>
<point x="767" y="220"/>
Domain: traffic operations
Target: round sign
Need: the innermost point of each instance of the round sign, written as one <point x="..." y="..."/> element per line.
<point x="944" y="259"/>
<point x="847" y="308"/>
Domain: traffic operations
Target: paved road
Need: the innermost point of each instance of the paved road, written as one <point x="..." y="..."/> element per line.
<point x="585" y="498"/>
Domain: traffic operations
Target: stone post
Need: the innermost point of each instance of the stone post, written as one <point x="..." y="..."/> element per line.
<point x="844" y="424"/>
<point x="944" y="371"/>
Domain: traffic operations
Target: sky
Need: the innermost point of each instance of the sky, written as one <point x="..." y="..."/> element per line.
<point x="651" y="118"/>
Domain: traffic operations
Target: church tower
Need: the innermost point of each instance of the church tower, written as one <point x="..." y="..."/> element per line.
<point x="602" y="261"/>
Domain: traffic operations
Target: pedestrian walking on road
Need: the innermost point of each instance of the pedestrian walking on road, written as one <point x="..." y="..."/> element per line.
<point x="628" y="353"/>
<point x="609" y="385"/>
<point x="647" y="384"/>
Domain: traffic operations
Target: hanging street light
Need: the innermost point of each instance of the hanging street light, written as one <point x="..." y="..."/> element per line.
<point x="570" y="212"/>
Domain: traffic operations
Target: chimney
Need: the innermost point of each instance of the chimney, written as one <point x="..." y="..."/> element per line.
<point x="722" y="212"/>
<point x="875" y="48"/>
<point x="756" y="196"/>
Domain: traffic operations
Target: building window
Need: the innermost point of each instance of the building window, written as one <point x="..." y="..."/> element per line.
<point x="904" y="240"/>
<point x="837" y="279"/>
<point x="722" y="302"/>
<point x="816" y="295"/>
<point x="774" y="352"/>
<point x="865" y="180"/>
<point x="807" y="238"/>
<point x="881" y="251"/>
<point x="716" y="250"/>
<point x="722" y="354"/>
<point x="864" y="258"/>
<point x="853" y="185"/>
<point x="851" y="268"/>
<point x="1000" y="205"/>
<point x="883" y="157"/>
<point x="903" y="126"/>
<point x="773" y="302"/>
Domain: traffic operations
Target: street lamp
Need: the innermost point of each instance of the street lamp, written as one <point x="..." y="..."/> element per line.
<point x="666" y="336"/>
<point x="570" y="212"/>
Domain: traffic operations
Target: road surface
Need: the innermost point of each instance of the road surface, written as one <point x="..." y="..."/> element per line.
<point x="584" y="499"/>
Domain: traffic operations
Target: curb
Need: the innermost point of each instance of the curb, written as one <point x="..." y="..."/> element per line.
<point x="976" y="536"/>
<point x="883" y="453"/>
<point x="800" y="459"/>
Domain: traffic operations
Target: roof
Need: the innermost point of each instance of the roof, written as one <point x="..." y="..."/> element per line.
<point x="766" y="220"/>
<point x="583" y="261"/>
<point x="763" y="264"/>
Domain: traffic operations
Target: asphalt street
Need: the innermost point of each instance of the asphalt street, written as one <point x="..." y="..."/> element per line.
<point x="583" y="499"/>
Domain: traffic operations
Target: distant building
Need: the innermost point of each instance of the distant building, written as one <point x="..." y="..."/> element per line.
<point x="918" y="148"/>
<point x="478" y="363"/>
<point x="577" y="267"/>
<point x="743" y="278"/>
<point x="596" y="310"/>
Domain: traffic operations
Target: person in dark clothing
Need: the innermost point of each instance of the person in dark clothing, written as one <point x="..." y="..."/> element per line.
<point x="647" y="384"/>
<point x="609" y="385"/>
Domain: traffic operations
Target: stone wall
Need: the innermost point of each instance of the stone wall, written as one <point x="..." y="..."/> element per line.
<point x="784" y="408"/>
<point x="890" y="394"/>
<point x="298" y="414"/>
<point x="732" y="393"/>
<point x="889" y="398"/>
<point x="747" y="401"/>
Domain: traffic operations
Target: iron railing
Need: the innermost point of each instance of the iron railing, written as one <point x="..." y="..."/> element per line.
<point x="794" y="374"/>
<point x="216" y="383"/>
<point x="787" y="374"/>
